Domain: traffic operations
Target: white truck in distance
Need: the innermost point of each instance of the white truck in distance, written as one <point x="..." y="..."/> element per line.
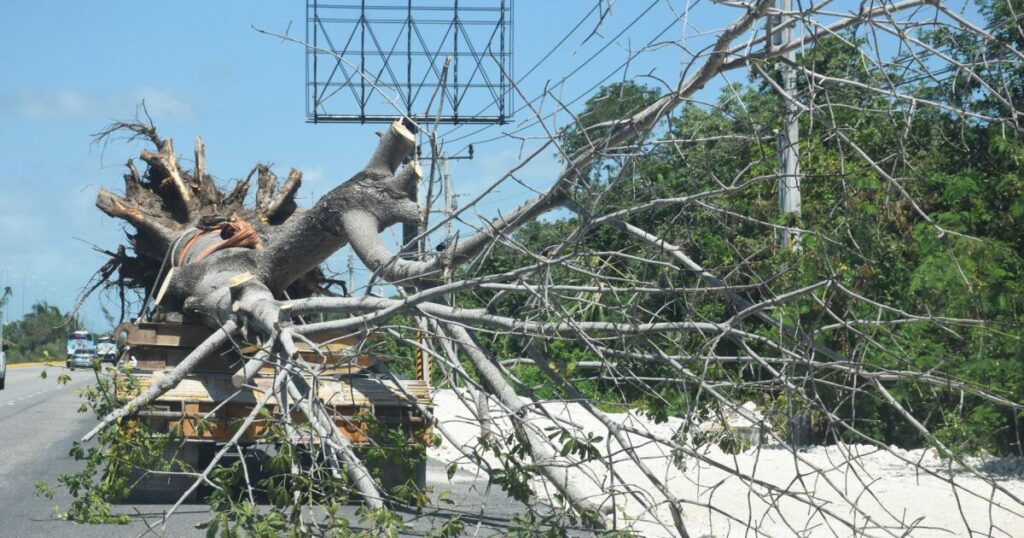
<point x="106" y="349"/>
<point x="81" y="350"/>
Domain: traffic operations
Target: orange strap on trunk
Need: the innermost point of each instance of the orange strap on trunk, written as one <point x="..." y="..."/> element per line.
<point x="235" y="233"/>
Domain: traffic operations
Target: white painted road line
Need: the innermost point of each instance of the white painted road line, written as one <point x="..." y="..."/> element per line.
<point x="33" y="395"/>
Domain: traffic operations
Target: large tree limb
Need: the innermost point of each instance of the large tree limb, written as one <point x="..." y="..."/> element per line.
<point x="371" y="200"/>
<point x="566" y="479"/>
<point x="675" y="505"/>
<point x="326" y="430"/>
<point x="253" y="300"/>
<point x="142" y="220"/>
<point x="481" y="316"/>
<point x="394" y="269"/>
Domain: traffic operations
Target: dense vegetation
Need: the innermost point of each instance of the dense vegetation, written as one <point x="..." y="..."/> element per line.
<point x="38" y="335"/>
<point x="933" y="228"/>
<point x="907" y="271"/>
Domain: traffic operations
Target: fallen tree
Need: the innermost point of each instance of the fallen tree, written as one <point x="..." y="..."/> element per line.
<point x="254" y="271"/>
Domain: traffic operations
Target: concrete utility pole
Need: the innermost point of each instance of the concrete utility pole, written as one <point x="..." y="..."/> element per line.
<point x="789" y="139"/>
<point x="449" y="210"/>
<point x="798" y="429"/>
<point x="449" y="198"/>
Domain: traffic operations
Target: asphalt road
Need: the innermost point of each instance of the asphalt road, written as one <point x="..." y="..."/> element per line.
<point x="39" y="421"/>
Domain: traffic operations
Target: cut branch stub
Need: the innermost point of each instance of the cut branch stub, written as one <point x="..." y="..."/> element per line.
<point x="132" y="180"/>
<point x="236" y="197"/>
<point x="130" y="211"/>
<point x="395" y="145"/>
<point x="266" y="184"/>
<point x="283" y="204"/>
<point x="167" y="163"/>
<point x="407" y="179"/>
<point x="204" y="185"/>
<point x="200" y="150"/>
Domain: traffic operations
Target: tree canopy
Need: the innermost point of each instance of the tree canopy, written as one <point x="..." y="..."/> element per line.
<point x="40" y="334"/>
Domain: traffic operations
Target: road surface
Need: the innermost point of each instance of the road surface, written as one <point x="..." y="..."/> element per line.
<point x="39" y="421"/>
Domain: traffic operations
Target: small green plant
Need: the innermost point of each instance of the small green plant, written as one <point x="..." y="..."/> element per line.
<point x="532" y="525"/>
<point x="451" y="528"/>
<point x="584" y="448"/>
<point x="392" y="451"/>
<point x="123" y="452"/>
<point x="733" y="443"/>
<point x="514" y="476"/>
<point x="293" y="479"/>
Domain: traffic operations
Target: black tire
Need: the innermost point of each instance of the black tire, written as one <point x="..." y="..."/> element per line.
<point x="2" y="381"/>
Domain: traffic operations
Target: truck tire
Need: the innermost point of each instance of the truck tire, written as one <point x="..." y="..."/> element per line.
<point x="2" y="381"/>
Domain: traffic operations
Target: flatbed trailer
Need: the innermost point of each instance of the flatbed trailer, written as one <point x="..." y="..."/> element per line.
<point x="205" y="408"/>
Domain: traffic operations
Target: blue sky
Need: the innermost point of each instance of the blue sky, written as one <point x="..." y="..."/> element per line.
<point x="70" y="67"/>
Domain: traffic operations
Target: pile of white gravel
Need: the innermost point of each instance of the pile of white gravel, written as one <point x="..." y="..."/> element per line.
<point x="875" y="491"/>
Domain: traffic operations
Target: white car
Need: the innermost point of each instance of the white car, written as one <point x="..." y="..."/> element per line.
<point x="3" y="365"/>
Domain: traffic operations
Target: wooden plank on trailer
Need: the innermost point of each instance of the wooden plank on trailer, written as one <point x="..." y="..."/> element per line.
<point x="357" y="391"/>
